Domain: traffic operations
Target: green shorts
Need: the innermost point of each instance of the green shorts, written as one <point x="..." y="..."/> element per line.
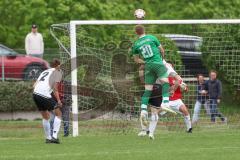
<point x="153" y="71"/>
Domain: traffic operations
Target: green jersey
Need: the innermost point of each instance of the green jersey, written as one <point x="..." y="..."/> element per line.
<point x="147" y="47"/>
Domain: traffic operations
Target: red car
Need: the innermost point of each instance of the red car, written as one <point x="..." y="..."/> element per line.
<point x="18" y="66"/>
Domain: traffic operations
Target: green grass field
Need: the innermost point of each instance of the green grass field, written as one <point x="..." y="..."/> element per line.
<point x="23" y="140"/>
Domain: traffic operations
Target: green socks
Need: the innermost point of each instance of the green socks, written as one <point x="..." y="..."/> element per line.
<point x="145" y="99"/>
<point x="165" y="92"/>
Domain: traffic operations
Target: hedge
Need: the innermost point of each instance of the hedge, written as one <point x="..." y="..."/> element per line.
<point x="16" y="96"/>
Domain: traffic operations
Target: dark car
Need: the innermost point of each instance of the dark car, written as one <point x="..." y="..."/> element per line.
<point x="17" y="66"/>
<point x="189" y="47"/>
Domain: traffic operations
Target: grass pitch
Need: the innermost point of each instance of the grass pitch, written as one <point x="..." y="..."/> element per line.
<point x="23" y="140"/>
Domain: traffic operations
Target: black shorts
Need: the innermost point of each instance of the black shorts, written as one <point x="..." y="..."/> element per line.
<point x="156" y="97"/>
<point x="155" y="101"/>
<point x="43" y="103"/>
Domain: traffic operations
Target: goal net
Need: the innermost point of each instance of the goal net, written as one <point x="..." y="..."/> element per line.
<point x="105" y="85"/>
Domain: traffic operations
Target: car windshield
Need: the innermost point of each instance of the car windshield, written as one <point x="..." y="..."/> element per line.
<point x="188" y="45"/>
<point x="6" y="51"/>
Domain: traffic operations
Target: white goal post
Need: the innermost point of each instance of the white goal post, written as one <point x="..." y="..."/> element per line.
<point x="73" y="47"/>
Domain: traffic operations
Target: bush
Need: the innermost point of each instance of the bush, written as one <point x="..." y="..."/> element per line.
<point x="16" y="96"/>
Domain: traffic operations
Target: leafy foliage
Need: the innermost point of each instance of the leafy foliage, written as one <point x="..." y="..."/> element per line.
<point x="18" y="15"/>
<point x="171" y="54"/>
<point x="16" y="96"/>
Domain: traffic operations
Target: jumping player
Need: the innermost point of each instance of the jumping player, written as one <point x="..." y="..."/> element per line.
<point x="47" y="83"/>
<point x="149" y="48"/>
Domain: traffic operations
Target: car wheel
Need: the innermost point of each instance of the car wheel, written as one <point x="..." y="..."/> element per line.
<point x="32" y="72"/>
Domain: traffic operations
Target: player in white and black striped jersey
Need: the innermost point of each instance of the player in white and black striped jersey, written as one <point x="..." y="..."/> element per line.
<point x="47" y="83"/>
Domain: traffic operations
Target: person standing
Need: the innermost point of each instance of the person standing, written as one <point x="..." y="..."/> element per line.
<point x="214" y="89"/>
<point x="48" y="82"/>
<point x="201" y="98"/>
<point x="34" y="45"/>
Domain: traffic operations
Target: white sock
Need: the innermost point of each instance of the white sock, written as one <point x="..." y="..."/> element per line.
<point x="188" y="123"/>
<point x="145" y="114"/>
<point x="144" y="128"/>
<point x="56" y="126"/>
<point x="153" y="123"/>
<point x="46" y="127"/>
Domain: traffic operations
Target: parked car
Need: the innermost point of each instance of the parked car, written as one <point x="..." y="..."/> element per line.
<point x="189" y="47"/>
<point x="18" y="66"/>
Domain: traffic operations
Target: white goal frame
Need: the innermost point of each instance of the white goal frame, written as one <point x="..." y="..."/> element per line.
<point x="73" y="48"/>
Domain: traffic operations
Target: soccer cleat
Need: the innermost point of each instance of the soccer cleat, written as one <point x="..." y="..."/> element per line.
<point x="142" y="133"/>
<point x="225" y="120"/>
<point x="168" y="109"/>
<point x="151" y="136"/>
<point x="56" y="141"/>
<point x="189" y="130"/>
<point x="162" y="113"/>
<point x="66" y="135"/>
<point x="147" y="132"/>
<point x="48" y="141"/>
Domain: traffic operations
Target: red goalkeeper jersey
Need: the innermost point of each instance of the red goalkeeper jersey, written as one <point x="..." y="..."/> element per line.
<point x="177" y="94"/>
<point x="61" y="90"/>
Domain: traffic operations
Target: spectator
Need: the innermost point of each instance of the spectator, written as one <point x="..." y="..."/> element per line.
<point x="34" y="43"/>
<point x="201" y="98"/>
<point x="214" y="89"/>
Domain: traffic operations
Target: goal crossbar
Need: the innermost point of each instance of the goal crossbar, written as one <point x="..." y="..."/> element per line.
<point x="118" y="22"/>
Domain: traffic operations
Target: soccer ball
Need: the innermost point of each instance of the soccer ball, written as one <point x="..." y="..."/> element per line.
<point x="139" y="14"/>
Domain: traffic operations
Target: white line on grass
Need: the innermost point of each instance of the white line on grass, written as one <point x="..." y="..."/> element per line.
<point x="219" y="148"/>
<point x="75" y="154"/>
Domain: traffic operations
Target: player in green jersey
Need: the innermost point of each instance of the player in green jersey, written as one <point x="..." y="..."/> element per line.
<point x="147" y="50"/>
